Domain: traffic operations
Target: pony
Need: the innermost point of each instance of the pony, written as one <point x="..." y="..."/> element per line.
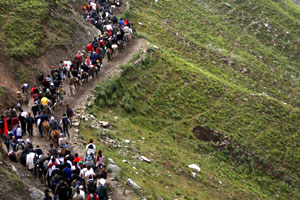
<point x="54" y="136"/>
<point x="45" y="128"/>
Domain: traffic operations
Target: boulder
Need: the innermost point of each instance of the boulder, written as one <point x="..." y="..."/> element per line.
<point x="113" y="168"/>
<point x="132" y="184"/>
<point x="195" y="167"/>
<point x="110" y="160"/>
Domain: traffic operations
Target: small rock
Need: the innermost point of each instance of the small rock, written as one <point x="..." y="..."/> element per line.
<point x="143" y="158"/>
<point x="76" y="124"/>
<point x="104" y="124"/>
<point x="194" y="175"/>
<point x="127" y="141"/>
<point x="220" y="182"/>
<point x="196" y="167"/>
<point x="132" y="184"/>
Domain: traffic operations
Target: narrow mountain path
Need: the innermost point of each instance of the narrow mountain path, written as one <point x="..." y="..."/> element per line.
<point x="80" y="98"/>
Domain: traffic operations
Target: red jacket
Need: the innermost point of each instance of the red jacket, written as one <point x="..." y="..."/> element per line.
<point x="89" y="48"/>
<point x="77" y="159"/>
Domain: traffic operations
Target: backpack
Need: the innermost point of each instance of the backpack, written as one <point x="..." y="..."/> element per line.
<point x="94" y="196"/>
<point x="65" y="121"/>
<point x="91" y="146"/>
<point x="92" y="188"/>
<point x="63" y="188"/>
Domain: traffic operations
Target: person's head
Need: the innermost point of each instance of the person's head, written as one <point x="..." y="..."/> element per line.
<point x="37" y="146"/>
<point x="47" y="192"/>
<point x="51" y="145"/>
<point x="29" y="114"/>
<point x="76" y="155"/>
<point x="53" y="160"/>
<point x="64" y="114"/>
<point x="78" y="191"/>
<point x="99" y="152"/>
<point x="91" y="141"/>
<point x="67" y="106"/>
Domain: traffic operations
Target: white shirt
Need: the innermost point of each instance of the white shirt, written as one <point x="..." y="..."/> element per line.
<point x="82" y="172"/>
<point x="19" y="132"/>
<point x="68" y="63"/>
<point x="29" y="160"/>
<point x="90" y="151"/>
<point x="89" y="173"/>
<point x="94" y="6"/>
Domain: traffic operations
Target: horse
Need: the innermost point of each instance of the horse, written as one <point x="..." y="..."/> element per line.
<point x="85" y="78"/>
<point x="42" y="168"/>
<point x="76" y="82"/>
<point x="55" y="135"/>
<point x="115" y="47"/>
<point x="109" y="54"/>
<point x="94" y="72"/>
<point x="45" y="127"/>
<point x="121" y="45"/>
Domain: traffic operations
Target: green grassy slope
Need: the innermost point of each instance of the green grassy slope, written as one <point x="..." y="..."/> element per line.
<point x="230" y="65"/>
<point x="29" y="28"/>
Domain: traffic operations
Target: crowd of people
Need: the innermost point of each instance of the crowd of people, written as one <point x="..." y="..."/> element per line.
<point x="67" y="175"/>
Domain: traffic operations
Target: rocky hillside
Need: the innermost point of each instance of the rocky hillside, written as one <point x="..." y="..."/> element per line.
<point x="34" y="35"/>
<point x="229" y="67"/>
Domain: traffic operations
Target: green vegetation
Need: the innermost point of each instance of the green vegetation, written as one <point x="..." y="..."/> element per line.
<point x="29" y="28"/>
<point x="229" y="65"/>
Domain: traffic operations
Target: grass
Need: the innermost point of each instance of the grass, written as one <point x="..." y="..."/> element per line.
<point x="224" y="64"/>
<point x="25" y="27"/>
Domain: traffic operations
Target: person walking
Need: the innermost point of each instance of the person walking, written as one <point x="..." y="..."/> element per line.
<point x="65" y="122"/>
<point x="62" y="94"/>
<point x="30" y="122"/>
<point x="70" y="114"/>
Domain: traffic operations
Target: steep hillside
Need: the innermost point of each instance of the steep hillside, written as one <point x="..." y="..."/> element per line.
<point x="229" y="65"/>
<point x="35" y="35"/>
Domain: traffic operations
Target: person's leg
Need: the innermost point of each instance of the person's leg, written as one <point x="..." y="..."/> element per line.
<point x="64" y="131"/>
<point x="30" y="131"/>
<point x="49" y="133"/>
<point x="7" y="145"/>
<point x="23" y="127"/>
<point x="40" y="129"/>
<point x="67" y="131"/>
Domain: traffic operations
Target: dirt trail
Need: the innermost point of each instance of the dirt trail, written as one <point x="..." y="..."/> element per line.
<point x="79" y="99"/>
